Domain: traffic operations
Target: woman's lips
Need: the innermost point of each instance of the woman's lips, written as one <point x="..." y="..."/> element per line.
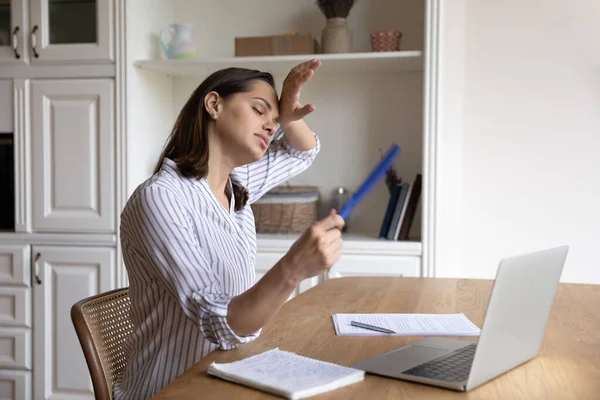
<point x="264" y="140"/>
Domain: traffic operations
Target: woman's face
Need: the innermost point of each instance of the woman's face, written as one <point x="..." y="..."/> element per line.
<point x="246" y="122"/>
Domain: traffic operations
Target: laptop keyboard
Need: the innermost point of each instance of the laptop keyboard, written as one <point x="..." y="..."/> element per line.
<point x="453" y="368"/>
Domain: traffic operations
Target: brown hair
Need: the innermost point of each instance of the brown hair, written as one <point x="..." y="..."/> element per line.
<point x="187" y="144"/>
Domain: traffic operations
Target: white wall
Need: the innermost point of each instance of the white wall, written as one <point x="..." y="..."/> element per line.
<point x="149" y="95"/>
<point x="522" y="145"/>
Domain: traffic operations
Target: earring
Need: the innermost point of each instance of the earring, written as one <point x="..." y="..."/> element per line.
<point x="212" y="115"/>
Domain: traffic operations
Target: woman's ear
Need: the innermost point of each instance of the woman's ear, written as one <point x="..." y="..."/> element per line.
<point x="212" y="104"/>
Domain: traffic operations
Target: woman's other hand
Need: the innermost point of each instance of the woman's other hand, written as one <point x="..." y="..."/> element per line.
<point x="316" y="251"/>
<point x="290" y="109"/>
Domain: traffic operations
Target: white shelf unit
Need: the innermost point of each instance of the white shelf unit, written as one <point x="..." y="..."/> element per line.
<point x="188" y="72"/>
<point x="395" y="62"/>
<point x="365" y="101"/>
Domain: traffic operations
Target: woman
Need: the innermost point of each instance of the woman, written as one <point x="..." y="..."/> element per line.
<point x="188" y="235"/>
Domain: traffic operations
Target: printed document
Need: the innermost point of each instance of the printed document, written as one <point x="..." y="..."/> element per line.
<point x="406" y="324"/>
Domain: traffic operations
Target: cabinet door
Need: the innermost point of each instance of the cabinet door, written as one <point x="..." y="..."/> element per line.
<point x="15" y="348"/>
<point x="73" y="155"/>
<point x="12" y="32"/>
<point x="14" y="265"/>
<point x="71" y="31"/>
<point x="66" y="275"/>
<point x="15" y="385"/>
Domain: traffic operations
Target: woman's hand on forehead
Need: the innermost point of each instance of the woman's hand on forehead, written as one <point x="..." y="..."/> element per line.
<point x="290" y="108"/>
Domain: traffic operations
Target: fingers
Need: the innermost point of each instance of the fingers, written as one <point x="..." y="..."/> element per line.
<point x="332" y="257"/>
<point x="298" y="81"/>
<point x="301" y="73"/>
<point x="303" y="111"/>
<point x="302" y="79"/>
<point x="335" y="257"/>
<point x="333" y="238"/>
<point x="306" y="66"/>
<point x="333" y="220"/>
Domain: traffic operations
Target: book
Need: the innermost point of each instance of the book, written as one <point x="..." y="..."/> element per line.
<point x="287" y="374"/>
<point x="392" y="233"/>
<point x="387" y="218"/>
<point x="411" y="208"/>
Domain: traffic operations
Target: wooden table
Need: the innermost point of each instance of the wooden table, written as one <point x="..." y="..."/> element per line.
<point x="567" y="367"/>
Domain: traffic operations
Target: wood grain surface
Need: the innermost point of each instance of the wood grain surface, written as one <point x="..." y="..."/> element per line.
<point x="567" y="367"/>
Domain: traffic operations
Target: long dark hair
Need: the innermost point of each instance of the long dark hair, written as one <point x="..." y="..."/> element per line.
<point x="187" y="144"/>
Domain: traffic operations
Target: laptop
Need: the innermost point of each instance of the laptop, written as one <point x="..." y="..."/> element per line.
<point x="512" y="332"/>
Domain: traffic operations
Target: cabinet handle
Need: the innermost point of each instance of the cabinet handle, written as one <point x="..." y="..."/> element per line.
<point x="36" y="269"/>
<point x="34" y="42"/>
<point x="14" y="42"/>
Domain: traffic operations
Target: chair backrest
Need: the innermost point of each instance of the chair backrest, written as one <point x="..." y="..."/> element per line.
<point x="103" y="324"/>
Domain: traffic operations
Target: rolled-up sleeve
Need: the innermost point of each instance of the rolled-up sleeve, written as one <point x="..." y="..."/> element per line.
<point x="213" y="318"/>
<point x="179" y="263"/>
<point x="279" y="164"/>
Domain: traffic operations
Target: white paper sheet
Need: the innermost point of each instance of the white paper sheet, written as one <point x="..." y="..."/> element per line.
<point x="287" y="374"/>
<point x="406" y="324"/>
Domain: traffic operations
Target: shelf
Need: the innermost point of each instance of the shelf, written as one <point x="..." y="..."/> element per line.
<point x="397" y="61"/>
<point x="353" y="244"/>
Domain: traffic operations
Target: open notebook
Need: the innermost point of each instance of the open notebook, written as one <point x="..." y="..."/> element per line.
<point x="287" y="374"/>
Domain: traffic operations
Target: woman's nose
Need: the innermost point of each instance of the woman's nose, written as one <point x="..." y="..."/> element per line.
<point x="270" y="127"/>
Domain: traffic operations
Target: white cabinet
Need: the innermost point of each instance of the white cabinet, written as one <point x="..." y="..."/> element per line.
<point x="73" y="163"/>
<point x="15" y="309"/>
<point x="15" y="385"/>
<point x="349" y="265"/>
<point x="375" y="265"/>
<point x="12" y="32"/>
<point x="15" y="348"/>
<point x="66" y="275"/>
<point x="360" y="257"/>
<point x="14" y="265"/>
<point x="6" y="106"/>
<point x="69" y="30"/>
<point x="15" y="322"/>
<point x="57" y="31"/>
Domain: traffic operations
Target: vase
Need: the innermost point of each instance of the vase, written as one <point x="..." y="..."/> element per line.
<point x="336" y="36"/>
<point x="181" y="44"/>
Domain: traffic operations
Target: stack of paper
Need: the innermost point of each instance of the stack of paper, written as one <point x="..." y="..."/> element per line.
<point x="287" y="374"/>
<point x="406" y="324"/>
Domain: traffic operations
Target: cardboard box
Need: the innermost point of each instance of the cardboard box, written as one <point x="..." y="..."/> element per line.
<point x="277" y="45"/>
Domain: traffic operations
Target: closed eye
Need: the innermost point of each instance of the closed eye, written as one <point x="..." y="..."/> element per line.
<point x="258" y="111"/>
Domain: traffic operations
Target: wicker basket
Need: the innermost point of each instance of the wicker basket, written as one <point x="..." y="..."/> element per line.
<point x="286" y="209"/>
<point x="386" y="40"/>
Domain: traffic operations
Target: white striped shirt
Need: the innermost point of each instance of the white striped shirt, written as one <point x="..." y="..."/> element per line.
<point x="186" y="257"/>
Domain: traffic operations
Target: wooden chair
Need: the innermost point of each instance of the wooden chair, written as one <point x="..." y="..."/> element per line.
<point x="103" y="324"/>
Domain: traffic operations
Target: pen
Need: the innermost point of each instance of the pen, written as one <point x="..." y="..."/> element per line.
<point x="371" y="327"/>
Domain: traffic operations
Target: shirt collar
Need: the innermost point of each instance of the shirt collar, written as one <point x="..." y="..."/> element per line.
<point x="172" y="165"/>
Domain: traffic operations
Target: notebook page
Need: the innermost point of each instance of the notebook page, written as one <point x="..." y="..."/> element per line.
<point x="287" y="373"/>
<point x="407" y="324"/>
